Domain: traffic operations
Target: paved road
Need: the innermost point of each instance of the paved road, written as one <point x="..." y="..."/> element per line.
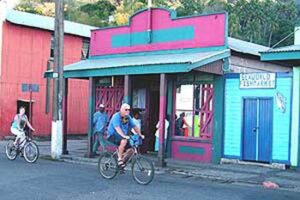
<point x="49" y="180"/>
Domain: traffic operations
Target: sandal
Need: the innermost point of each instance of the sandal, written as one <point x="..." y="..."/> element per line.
<point x="121" y="164"/>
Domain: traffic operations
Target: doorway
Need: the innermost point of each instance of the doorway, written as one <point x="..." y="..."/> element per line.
<point x="257" y="129"/>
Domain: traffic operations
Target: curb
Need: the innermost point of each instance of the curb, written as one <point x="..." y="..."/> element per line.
<point x="174" y="171"/>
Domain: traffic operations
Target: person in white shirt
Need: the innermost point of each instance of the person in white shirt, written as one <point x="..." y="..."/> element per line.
<point x="156" y="148"/>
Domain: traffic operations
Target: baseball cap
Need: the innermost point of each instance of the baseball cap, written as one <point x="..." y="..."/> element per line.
<point x="101" y="106"/>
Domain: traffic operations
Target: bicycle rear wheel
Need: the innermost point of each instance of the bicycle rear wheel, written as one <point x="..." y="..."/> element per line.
<point x="11" y="150"/>
<point x="107" y="165"/>
<point x="142" y="170"/>
<point x="31" y="152"/>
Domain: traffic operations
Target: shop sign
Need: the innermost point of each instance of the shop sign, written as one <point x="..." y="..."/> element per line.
<point x="257" y="80"/>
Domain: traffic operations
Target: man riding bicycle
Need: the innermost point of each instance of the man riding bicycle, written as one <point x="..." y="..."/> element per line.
<point x="118" y="129"/>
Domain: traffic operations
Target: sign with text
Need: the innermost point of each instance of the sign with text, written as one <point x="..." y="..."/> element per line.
<point x="30" y="87"/>
<point x="257" y="80"/>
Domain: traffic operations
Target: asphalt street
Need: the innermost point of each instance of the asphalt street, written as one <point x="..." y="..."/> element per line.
<point x="49" y="180"/>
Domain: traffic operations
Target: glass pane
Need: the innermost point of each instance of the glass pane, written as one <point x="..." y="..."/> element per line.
<point x="184" y="110"/>
<point x="184" y="97"/>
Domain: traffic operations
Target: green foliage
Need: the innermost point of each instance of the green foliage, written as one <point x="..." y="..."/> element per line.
<point x="264" y="22"/>
<point x="92" y="12"/>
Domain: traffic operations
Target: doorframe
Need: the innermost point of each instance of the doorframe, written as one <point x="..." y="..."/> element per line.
<point x="242" y="129"/>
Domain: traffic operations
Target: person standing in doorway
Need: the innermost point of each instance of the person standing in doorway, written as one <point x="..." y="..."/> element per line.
<point x="100" y="121"/>
<point x="156" y="147"/>
<point x="138" y="122"/>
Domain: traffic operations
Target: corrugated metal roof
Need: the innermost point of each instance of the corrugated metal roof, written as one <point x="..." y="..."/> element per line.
<point x="98" y="63"/>
<point x="43" y="22"/>
<point x="141" y="64"/>
<point x="291" y="48"/>
<point x="245" y="47"/>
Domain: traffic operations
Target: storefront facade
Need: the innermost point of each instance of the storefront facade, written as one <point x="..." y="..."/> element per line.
<point x="163" y="66"/>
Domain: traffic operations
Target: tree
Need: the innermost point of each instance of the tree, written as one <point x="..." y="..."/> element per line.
<point x="264" y="22"/>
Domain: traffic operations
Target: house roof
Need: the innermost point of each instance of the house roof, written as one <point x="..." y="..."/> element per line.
<point x="245" y="47"/>
<point x="284" y="49"/>
<point x="47" y="23"/>
<point x="141" y="64"/>
<point x="287" y="55"/>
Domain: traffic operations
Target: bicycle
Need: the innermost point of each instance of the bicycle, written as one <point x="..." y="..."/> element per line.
<point x="142" y="169"/>
<point x="28" y="149"/>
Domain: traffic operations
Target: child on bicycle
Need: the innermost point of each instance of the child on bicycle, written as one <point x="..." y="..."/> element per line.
<point x="18" y="125"/>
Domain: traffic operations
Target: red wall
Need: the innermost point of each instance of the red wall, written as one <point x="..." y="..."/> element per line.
<point x="24" y="60"/>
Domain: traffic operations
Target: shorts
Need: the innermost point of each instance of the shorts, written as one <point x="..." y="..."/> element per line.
<point x="116" y="140"/>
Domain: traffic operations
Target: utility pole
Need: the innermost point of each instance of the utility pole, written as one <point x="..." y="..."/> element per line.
<point x="57" y="104"/>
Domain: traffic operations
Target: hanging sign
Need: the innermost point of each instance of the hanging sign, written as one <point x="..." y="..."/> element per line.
<point x="257" y="80"/>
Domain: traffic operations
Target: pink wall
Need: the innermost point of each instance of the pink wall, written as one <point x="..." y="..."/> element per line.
<point x="209" y="31"/>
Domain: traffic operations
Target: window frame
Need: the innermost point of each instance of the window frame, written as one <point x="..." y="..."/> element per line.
<point x="193" y="82"/>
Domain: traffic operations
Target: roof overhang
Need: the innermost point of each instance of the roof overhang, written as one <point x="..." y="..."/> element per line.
<point x="141" y="64"/>
<point x="286" y="55"/>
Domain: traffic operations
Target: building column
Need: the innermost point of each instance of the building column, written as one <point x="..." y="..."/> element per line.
<point x="295" y="118"/>
<point x="295" y="148"/>
<point x="127" y="89"/>
<point x="65" y="117"/>
<point x="162" y="117"/>
<point x="91" y="108"/>
<point x="218" y="127"/>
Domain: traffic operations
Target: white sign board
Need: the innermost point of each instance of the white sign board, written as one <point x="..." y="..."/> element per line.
<point x="257" y="80"/>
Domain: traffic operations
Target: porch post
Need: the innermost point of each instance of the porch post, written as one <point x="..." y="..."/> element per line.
<point x="127" y="89"/>
<point x="162" y="117"/>
<point x="218" y="119"/>
<point x="90" y="117"/>
<point x="65" y="117"/>
<point x="294" y="154"/>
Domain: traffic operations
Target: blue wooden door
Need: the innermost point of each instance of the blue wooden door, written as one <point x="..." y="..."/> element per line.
<point x="257" y="129"/>
<point x="250" y="128"/>
<point x="265" y="130"/>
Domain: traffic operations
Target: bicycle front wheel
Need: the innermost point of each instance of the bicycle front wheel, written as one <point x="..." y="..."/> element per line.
<point x="11" y="150"/>
<point x="31" y="152"/>
<point x="142" y="170"/>
<point x="108" y="165"/>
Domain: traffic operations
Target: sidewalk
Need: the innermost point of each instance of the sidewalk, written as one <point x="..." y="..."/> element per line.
<point x="225" y="173"/>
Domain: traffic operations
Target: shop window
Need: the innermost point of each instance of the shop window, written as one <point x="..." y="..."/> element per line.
<point x="194" y="111"/>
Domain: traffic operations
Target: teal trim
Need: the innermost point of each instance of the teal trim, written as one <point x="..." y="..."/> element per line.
<point x="218" y="126"/>
<point x="170" y="114"/>
<point x="192" y="150"/>
<point x="293" y="55"/>
<point x="162" y="52"/>
<point x="157" y="36"/>
<point x="294" y="155"/>
<point x="91" y="109"/>
<point x="150" y="69"/>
